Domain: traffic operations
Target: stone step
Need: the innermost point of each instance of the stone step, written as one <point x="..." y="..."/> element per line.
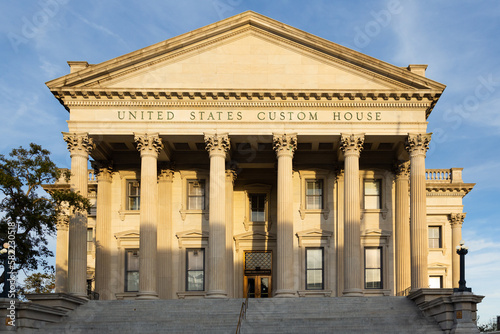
<point x="274" y="315"/>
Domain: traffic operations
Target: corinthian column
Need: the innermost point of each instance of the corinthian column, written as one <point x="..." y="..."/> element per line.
<point x="353" y="280"/>
<point x="456" y="220"/>
<point x="402" y="226"/>
<point x="79" y="146"/>
<point x="150" y="146"/>
<point x="103" y="232"/>
<point x="217" y="145"/>
<point x="285" y="145"/>
<point x="417" y="145"/>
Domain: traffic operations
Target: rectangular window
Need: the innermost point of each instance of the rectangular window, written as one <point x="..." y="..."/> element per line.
<point x="196" y="195"/>
<point x="314" y="194"/>
<point x="435" y="282"/>
<point x="372" y="191"/>
<point x="435" y="237"/>
<point x="133" y="195"/>
<point x="90" y="239"/>
<point x="314" y="269"/>
<point x="195" y="269"/>
<point x="258" y="207"/>
<point x="131" y="270"/>
<point x="373" y="268"/>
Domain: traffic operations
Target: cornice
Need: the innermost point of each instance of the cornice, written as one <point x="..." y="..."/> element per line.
<point x="231" y="98"/>
<point x="440" y="189"/>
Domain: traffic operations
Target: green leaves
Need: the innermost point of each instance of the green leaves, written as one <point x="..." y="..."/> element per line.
<point x="28" y="209"/>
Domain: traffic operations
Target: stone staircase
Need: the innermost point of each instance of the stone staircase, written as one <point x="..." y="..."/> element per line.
<point x="275" y="315"/>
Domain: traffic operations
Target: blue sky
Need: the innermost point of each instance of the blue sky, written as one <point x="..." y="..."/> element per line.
<point x="459" y="40"/>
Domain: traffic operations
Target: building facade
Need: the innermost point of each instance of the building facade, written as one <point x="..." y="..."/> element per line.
<point x="249" y="157"/>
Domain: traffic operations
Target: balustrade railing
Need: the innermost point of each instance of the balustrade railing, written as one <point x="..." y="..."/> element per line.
<point x="92" y="176"/>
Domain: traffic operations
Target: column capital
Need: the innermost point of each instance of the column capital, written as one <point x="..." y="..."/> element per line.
<point x="217" y="143"/>
<point x="284" y="143"/>
<point x="457" y="219"/>
<point x="79" y="143"/>
<point x="62" y="223"/>
<point x="339" y="172"/>
<point x="148" y="143"/>
<point x="402" y="169"/>
<point x="166" y="175"/>
<point x="418" y="144"/>
<point x="352" y="144"/>
<point x="231" y="175"/>
<point x="103" y="170"/>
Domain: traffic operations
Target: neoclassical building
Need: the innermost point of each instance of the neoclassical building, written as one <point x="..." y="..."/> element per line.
<point x="250" y="157"/>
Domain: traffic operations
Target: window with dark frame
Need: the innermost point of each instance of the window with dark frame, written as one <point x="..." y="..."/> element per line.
<point x="314" y="194"/>
<point x="373" y="268"/>
<point x="131" y="270"/>
<point x="133" y="195"/>
<point x="435" y="237"/>
<point x="195" y="269"/>
<point x="435" y="282"/>
<point x="257" y="207"/>
<point x="90" y="239"/>
<point x="196" y="195"/>
<point x="314" y="269"/>
<point x="372" y="194"/>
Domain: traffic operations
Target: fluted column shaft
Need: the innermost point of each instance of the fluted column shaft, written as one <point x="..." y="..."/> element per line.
<point x="149" y="145"/>
<point x="285" y="145"/>
<point x="456" y="221"/>
<point x="217" y="146"/>
<point x="165" y="269"/>
<point x="353" y="278"/>
<point x="417" y="145"/>
<point x="103" y="234"/>
<point x="402" y="227"/>
<point x="79" y="146"/>
<point x="62" y="256"/>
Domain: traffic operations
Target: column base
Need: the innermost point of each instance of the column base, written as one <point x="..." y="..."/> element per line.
<point x="353" y="293"/>
<point x="216" y="294"/>
<point x="285" y="294"/>
<point x="147" y="295"/>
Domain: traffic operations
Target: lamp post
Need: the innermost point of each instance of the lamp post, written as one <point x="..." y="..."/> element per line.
<point x="462" y="250"/>
<point x="4" y="257"/>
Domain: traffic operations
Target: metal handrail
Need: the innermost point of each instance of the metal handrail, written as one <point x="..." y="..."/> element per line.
<point x="243" y="312"/>
<point x="405" y="292"/>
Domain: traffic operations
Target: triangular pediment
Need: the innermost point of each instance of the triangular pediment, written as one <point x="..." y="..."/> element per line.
<point x="245" y="52"/>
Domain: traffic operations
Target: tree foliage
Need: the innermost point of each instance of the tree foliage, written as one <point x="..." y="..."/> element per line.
<point x="39" y="283"/>
<point x="490" y="326"/>
<point x="28" y="210"/>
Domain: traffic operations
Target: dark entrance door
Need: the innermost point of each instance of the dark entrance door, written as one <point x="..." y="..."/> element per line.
<point x="258" y="276"/>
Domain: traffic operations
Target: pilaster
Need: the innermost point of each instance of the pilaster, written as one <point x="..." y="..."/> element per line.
<point x="417" y="146"/>
<point x="230" y="178"/>
<point x="217" y="145"/>
<point x="352" y="146"/>
<point x="62" y="254"/>
<point x="402" y="226"/>
<point x="149" y="145"/>
<point x="285" y="146"/>
<point x="103" y="231"/>
<point x="79" y="146"/>
<point x="165" y="269"/>
<point x="456" y="221"/>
